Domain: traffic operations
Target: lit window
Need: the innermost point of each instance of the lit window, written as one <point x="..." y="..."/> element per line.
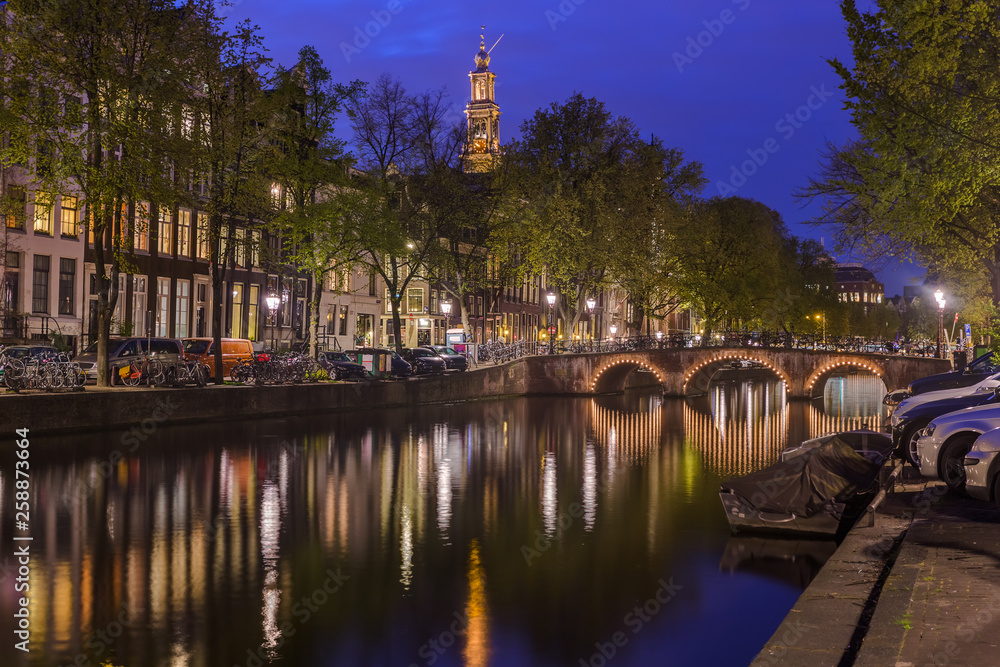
<point x="67" y="216"/>
<point x="163" y="231"/>
<point x="184" y="233"/>
<point x="43" y="213"/>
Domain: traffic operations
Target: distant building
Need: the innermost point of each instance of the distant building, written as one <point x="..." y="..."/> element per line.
<point x="856" y="284"/>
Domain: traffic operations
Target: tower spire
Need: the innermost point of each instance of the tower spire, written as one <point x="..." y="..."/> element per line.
<point x="483" y="138"/>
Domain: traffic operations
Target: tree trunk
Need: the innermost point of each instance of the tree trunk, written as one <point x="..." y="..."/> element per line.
<point x="314" y="315"/>
<point x="395" y="324"/>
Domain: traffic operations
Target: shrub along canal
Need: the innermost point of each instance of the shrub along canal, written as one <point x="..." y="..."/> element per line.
<point x="527" y="531"/>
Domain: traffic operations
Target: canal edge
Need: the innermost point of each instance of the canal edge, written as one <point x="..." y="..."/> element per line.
<point x="828" y="623"/>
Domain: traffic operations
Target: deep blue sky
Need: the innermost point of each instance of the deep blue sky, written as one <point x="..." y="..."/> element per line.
<point x="759" y="61"/>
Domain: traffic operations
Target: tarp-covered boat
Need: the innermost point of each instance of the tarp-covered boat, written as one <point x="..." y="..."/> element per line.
<point x="819" y="492"/>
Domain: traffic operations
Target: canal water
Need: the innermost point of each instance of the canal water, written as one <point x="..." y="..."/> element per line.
<point x="531" y="531"/>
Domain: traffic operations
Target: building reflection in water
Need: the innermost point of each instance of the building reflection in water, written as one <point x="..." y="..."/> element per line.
<point x="207" y="537"/>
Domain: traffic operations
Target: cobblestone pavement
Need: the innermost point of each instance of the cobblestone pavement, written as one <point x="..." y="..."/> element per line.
<point x="919" y="588"/>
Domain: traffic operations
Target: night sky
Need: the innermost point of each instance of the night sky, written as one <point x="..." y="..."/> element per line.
<point x="736" y="84"/>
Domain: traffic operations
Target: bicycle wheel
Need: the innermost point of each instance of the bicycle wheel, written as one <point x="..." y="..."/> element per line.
<point x="200" y="373"/>
<point x="155" y="372"/>
<point x="131" y="377"/>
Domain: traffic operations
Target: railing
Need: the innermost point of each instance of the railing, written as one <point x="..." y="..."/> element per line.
<point x="499" y="351"/>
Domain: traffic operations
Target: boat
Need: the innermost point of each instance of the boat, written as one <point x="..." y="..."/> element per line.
<point x="818" y="489"/>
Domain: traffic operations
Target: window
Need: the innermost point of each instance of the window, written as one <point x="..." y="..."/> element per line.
<point x="343" y="321"/>
<point x="162" y="306"/>
<point x="236" y="324"/>
<point x="10" y="289"/>
<point x="182" y="307"/>
<point x="183" y="233"/>
<point x="43" y="213"/>
<point x="163" y="232"/>
<point x="252" y="312"/>
<point x="139" y="305"/>
<point x="371" y="282"/>
<point x="140" y="229"/>
<point x="331" y="329"/>
<point x="187" y="122"/>
<point x="40" y="285"/>
<point x="67" y="283"/>
<point x="14" y="213"/>
<point x="73" y="111"/>
<point x="240" y="249"/>
<point x="255" y="248"/>
<point x="415" y="300"/>
<point x="203" y="236"/>
<point x="67" y="216"/>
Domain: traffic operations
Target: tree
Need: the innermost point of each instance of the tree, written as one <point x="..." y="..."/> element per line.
<point x="728" y="253"/>
<point x="588" y="178"/>
<point x="318" y="229"/>
<point x="924" y="178"/>
<point x="656" y="186"/>
<point x="396" y="234"/>
<point x="232" y="148"/>
<point x="85" y="86"/>
<point x="805" y="287"/>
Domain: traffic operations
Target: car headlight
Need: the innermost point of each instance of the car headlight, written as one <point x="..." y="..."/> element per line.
<point x="895" y="420"/>
<point x="929" y="431"/>
<point x="987" y="446"/>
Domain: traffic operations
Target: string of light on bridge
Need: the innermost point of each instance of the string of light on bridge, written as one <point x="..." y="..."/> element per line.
<point x="730" y="356"/>
<point x="637" y="362"/>
<point x="837" y="364"/>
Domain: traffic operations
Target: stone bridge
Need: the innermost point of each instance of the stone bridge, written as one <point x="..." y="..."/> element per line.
<point x="688" y="371"/>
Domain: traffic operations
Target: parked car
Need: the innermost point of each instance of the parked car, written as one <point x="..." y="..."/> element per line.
<point x="982" y="468"/>
<point x="233" y="350"/>
<point x="452" y="359"/>
<point x="340" y="367"/>
<point x="978" y="370"/>
<point x="942" y="447"/>
<point x="121" y="351"/>
<point x="424" y="360"/>
<point x="398" y="367"/>
<point x="985" y="386"/>
<point x="908" y="421"/>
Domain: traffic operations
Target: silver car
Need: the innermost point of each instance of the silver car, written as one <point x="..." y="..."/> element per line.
<point x="947" y="439"/>
<point x="982" y="468"/>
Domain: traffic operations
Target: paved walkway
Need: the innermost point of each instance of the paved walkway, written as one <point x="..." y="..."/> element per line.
<point x="921" y="587"/>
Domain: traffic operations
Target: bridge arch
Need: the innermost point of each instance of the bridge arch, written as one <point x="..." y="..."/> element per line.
<point x="611" y="374"/>
<point x="818" y="378"/>
<point x="698" y="377"/>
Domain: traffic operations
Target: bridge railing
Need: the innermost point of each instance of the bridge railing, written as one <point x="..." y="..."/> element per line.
<point x="500" y="351"/>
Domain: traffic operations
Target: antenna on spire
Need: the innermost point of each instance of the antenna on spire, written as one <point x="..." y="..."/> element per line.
<point x="495" y="44"/>
<point x="482" y="34"/>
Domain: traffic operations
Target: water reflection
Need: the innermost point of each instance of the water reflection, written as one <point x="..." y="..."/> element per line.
<point x="498" y="533"/>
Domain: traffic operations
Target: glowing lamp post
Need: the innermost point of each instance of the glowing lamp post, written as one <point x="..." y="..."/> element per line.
<point x="939" y="297"/>
<point x="591" y="304"/>
<point x="446" y="309"/>
<point x="551" y="298"/>
<point x="659" y="337"/>
<point x="614" y="330"/>
<point x="273" y="301"/>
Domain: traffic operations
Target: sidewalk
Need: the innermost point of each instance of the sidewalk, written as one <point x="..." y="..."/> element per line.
<point x="921" y="587"/>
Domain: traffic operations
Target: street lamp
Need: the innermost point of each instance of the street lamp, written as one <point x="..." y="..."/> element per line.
<point x="659" y="337"/>
<point x="446" y="309"/>
<point x="551" y="298"/>
<point x="613" y="329"/>
<point x="272" y="301"/>
<point x="939" y="297"/>
<point x="591" y="303"/>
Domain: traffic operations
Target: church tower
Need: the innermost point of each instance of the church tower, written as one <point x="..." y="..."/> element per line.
<point x="482" y="141"/>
